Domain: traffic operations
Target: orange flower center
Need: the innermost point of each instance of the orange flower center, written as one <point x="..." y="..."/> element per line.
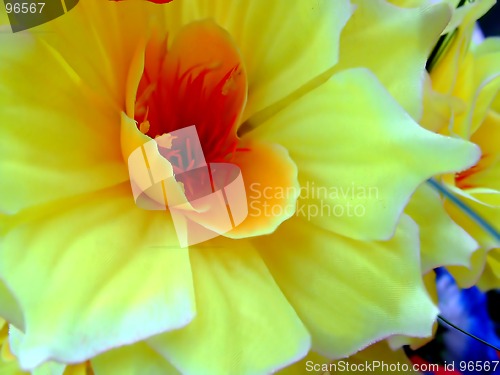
<point x="198" y="81"/>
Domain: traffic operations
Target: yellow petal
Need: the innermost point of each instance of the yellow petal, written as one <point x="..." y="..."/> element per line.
<point x="490" y="279"/>
<point x="445" y="70"/>
<point x="244" y="324"/>
<point x="467" y="277"/>
<point x="460" y="14"/>
<point x="57" y="139"/>
<point x="487" y="85"/>
<point x="10" y="365"/>
<point x="486" y="205"/>
<point x="11" y="368"/>
<point x="340" y="287"/>
<point x="439" y="109"/>
<point x="84" y="286"/>
<point x="284" y="43"/>
<point x="49" y="367"/>
<point x="443" y="242"/>
<point x="356" y="148"/>
<point x="394" y="43"/>
<point x="79" y="369"/>
<point x="9" y="307"/>
<point x="271" y="185"/>
<point x="132" y="360"/>
<point x="3" y="329"/>
<point x="4" y="20"/>
<point x="486" y="174"/>
<point x="96" y="41"/>
<point x="477" y="85"/>
<point x="398" y="341"/>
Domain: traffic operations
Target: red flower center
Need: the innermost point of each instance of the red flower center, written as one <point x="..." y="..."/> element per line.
<point x="198" y="81"/>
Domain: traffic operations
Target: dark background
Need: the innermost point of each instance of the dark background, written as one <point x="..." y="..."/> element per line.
<point x="490" y="23"/>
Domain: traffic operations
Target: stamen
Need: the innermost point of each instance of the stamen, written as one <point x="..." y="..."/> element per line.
<point x="144" y="127"/>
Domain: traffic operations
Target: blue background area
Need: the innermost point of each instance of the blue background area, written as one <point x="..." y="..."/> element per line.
<point x="490" y="23"/>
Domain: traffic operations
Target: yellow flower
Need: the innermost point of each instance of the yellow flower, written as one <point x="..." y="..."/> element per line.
<point x="443" y="241"/>
<point x="465" y="80"/>
<point x="272" y="87"/>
